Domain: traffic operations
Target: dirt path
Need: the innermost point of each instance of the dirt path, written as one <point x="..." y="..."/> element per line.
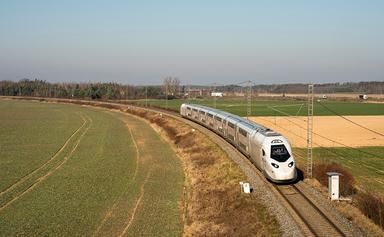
<point x="25" y="177"/>
<point x="42" y="178"/>
<point x="329" y="131"/>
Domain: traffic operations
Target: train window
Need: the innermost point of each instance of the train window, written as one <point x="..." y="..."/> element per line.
<point x="210" y="115"/>
<point x="243" y="132"/>
<point x="194" y="110"/>
<point x="202" y="112"/>
<point x="279" y="153"/>
<point x="231" y="125"/>
<point x="188" y="108"/>
<point x="218" y="119"/>
<point x="263" y="152"/>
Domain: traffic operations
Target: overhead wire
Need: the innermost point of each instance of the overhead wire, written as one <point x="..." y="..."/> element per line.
<point x="329" y="139"/>
<point x="339" y="154"/>
<point x="301" y="105"/>
<point x="349" y="120"/>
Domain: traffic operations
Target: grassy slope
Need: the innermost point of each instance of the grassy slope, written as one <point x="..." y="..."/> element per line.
<point x="367" y="169"/>
<point x="292" y="107"/>
<point x="74" y="199"/>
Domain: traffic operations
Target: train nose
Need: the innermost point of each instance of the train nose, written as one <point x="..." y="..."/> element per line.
<point x="285" y="174"/>
<point x="288" y="175"/>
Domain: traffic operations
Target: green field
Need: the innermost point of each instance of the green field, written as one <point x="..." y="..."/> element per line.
<point x="276" y="107"/>
<point x="365" y="163"/>
<point x="68" y="170"/>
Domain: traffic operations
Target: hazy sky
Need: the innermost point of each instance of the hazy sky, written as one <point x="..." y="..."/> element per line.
<point x="201" y="42"/>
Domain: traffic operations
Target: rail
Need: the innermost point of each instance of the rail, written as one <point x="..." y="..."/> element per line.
<point x="311" y="219"/>
<point x="317" y="222"/>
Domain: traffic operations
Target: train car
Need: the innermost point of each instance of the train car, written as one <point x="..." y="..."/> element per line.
<point x="268" y="150"/>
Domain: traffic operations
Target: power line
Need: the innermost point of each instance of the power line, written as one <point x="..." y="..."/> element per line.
<point x="357" y="124"/>
<point x="310" y="130"/>
<point x="339" y="154"/>
<point x="334" y="141"/>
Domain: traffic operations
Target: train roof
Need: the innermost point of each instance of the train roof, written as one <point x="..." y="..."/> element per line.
<point x="245" y="122"/>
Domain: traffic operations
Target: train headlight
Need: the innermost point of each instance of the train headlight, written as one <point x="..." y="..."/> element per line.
<point x="274" y="165"/>
<point x="290" y="164"/>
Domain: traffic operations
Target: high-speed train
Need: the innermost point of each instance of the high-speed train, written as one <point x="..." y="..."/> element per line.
<point x="267" y="149"/>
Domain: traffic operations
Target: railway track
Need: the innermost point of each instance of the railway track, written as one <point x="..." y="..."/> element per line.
<point x="311" y="219"/>
<point x="316" y="221"/>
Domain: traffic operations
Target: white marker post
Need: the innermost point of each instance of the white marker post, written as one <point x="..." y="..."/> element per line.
<point x="245" y="187"/>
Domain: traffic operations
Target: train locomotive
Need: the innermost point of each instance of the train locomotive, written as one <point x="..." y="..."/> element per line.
<point x="267" y="149"/>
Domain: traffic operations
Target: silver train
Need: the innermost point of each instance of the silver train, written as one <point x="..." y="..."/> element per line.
<point x="267" y="149"/>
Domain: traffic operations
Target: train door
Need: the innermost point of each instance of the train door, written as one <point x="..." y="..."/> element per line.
<point x="231" y="133"/>
<point x="218" y="124"/>
<point x="189" y="112"/>
<point x="202" y="116"/>
<point x="256" y="150"/>
<point x="236" y="135"/>
<point x="242" y="139"/>
<point x="210" y="120"/>
<point x="225" y="127"/>
<point x="195" y="114"/>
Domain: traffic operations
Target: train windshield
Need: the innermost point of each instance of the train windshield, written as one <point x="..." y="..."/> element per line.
<point x="279" y="153"/>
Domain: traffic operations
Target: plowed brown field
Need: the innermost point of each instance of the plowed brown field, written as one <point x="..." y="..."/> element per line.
<point x="329" y="131"/>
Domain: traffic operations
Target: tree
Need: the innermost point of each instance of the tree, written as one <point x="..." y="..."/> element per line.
<point x="171" y="86"/>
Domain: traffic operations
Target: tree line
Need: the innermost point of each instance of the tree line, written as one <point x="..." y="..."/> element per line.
<point x="106" y="91"/>
<point x="170" y="89"/>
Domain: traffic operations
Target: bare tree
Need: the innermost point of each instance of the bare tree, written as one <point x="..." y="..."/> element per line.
<point x="171" y="86"/>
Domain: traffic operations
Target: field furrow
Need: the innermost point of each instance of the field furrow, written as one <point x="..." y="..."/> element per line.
<point x="49" y="173"/>
<point x="96" y="180"/>
<point x="136" y="207"/>
<point x="116" y="201"/>
<point x="37" y="169"/>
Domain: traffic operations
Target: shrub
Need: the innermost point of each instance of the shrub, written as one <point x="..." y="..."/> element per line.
<point x="171" y="131"/>
<point x="372" y="206"/>
<point x="347" y="181"/>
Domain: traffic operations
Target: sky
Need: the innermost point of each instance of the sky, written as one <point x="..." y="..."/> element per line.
<point x="200" y="42"/>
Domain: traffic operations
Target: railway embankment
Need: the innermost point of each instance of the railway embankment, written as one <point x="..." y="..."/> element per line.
<point x="214" y="204"/>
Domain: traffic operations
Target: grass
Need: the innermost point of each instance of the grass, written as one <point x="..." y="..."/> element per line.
<point x="215" y="206"/>
<point x="366" y="165"/>
<point x="279" y="107"/>
<point x="30" y="134"/>
<point x="93" y="175"/>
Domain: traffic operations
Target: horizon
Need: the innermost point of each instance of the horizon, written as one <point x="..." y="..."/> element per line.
<point x="140" y="43"/>
<point x="196" y="85"/>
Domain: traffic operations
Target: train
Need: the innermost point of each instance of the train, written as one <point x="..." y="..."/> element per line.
<point x="268" y="150"/>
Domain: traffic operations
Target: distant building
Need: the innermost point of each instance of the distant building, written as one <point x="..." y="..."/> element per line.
<point x="217" y="94"/>
<point x="197" y="92"/>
